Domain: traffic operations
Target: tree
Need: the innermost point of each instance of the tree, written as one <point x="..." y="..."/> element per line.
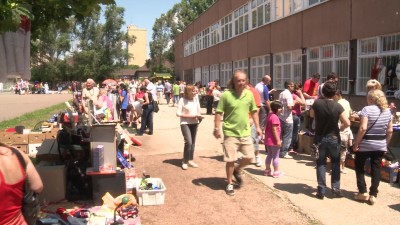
<point x="167" y="27"/>
<point x="101" y="46"/>
<point x="45" y="13"/>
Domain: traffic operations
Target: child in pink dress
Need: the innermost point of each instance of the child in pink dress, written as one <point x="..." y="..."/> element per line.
<point x="273" y="142"/>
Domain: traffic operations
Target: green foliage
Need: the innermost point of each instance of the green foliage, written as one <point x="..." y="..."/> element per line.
<point x="167" y="27"/>
<point x="98" y="48"/>
<point x="10" y="15"/>
<point x="45" y="13"/>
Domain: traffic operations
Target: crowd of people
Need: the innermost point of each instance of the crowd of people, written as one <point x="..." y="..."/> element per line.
<point x="243" y="114"/>
<point x="278" y="123"/>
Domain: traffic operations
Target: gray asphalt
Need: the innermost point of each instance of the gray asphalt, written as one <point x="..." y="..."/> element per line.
<point x="297" y="187"/>
<point x="12" y="105"/>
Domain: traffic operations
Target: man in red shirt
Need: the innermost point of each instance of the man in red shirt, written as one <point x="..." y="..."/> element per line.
<point x="310" y="87"/>
<point x="254" y="135"/>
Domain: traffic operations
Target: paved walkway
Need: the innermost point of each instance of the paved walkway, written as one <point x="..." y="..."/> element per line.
<point x="197" y="196"/>
<point x="297" y="188"/>
<point x="12" y="105"/>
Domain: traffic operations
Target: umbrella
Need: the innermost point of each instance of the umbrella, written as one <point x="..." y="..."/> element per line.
<point x="109" y="81"/>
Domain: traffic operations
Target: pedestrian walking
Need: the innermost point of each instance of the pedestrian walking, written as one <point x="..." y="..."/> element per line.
<point x="273" y="142"/>
<point x="190" y="115"/>
<point x="235" y="104"/>
<point x="371" y="142"/>
<point x="327" y="114"/>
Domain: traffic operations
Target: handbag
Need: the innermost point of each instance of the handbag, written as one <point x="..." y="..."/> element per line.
<point x="315" y="151"/>
<point x="30" y="201"/>
<point x="155" y="106"/>
<point x="350" y="148"/>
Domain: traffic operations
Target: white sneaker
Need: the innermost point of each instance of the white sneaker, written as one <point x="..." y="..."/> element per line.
<point x="193" y="164"/>
<point x="258" y="161"/>
<point x="184" y="166"/>
<point x="287" y="156"/>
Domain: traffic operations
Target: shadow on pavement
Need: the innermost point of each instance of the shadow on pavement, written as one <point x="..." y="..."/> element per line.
<point x="219" y="158"/>
<point x="175" y="162"/>
<point x="214" y="183"/>
<point x="296" y="188"/>
<point x="395" y="207"/>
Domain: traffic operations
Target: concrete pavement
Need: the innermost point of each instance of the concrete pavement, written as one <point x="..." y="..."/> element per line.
<point x="298" y="186"/>
<point x="12" y="105"/>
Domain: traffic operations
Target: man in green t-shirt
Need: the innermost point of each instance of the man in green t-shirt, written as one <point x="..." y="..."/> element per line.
<point x="176" y="91"/>
<point x="235" y="105"/>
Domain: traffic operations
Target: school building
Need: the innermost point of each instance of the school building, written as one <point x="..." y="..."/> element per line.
<point x="293" y="39"/>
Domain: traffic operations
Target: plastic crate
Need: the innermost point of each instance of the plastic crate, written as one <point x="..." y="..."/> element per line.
<point x="151" y="197"/>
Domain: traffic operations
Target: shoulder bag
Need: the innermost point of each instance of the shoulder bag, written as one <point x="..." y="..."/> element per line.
<point x="155" y="106"/>
<point x="350" y="148"/>
<point x="30" y="201"/>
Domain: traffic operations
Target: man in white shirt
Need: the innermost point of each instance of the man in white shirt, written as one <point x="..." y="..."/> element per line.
<point x="286" y="118"/>
<point x="151" y="88"/>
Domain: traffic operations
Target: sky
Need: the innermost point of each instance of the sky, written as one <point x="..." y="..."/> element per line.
<point x="143" y="13"/>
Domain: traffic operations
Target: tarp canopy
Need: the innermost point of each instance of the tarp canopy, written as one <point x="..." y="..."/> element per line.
<point x="162" y="75"/>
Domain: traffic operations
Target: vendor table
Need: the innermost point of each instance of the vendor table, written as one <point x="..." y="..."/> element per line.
<point x="111" y="182"/>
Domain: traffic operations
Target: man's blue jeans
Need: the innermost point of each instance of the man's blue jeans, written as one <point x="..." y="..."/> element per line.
<point x="286" y="134"/>
<point x="296" y="128"/>
<point x="329" y="146"/>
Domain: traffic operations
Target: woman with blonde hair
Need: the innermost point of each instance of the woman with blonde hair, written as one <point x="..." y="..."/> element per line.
<point x="190" y="116"/>
<point x="371" y="142"/>
<point x="373" y="84"/>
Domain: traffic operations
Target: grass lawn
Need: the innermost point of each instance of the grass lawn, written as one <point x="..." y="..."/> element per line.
<point x="29" y="120"/>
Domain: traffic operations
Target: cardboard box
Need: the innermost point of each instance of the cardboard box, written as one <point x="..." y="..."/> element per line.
<point x="54" y="182"/>
<point x="22" y="148"/>
<point x="305" y="143"/>
<point x="389" y="174"/>
<point x="5" y="137"/>
<point x="36" y="138"/>
<point x="20" y="139"/>
<point x="52" y="134"/>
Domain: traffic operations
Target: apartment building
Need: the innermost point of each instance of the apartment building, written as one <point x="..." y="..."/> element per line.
<point x="293" y="39"/>
<point x="139" y="48"/>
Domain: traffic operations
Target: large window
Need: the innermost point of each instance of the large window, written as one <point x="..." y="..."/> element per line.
<point x="330" y="58"/>
<point x="198" y="42"/>
<point x="287" y="67"/>
<point x="259" y="13"/>
<point x="241" y="65"/>
<point x="206" y="38"/>
<point x="282" y="8"/>
<point x="214" y="33"/>
<point x="205" y="75"/>
<point x="259" y="67"/>
<point x="378" y="58"/>
<point x="186" y="48"/>
<point x="226" y="27"/>
<point x="226" y="74"/>
<point x="253" y="14"/>
<point x="214" y="72"/>
<point x="313" y="2"/>
<point x="191" y="45"/>
<point x="241" y="17"/>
